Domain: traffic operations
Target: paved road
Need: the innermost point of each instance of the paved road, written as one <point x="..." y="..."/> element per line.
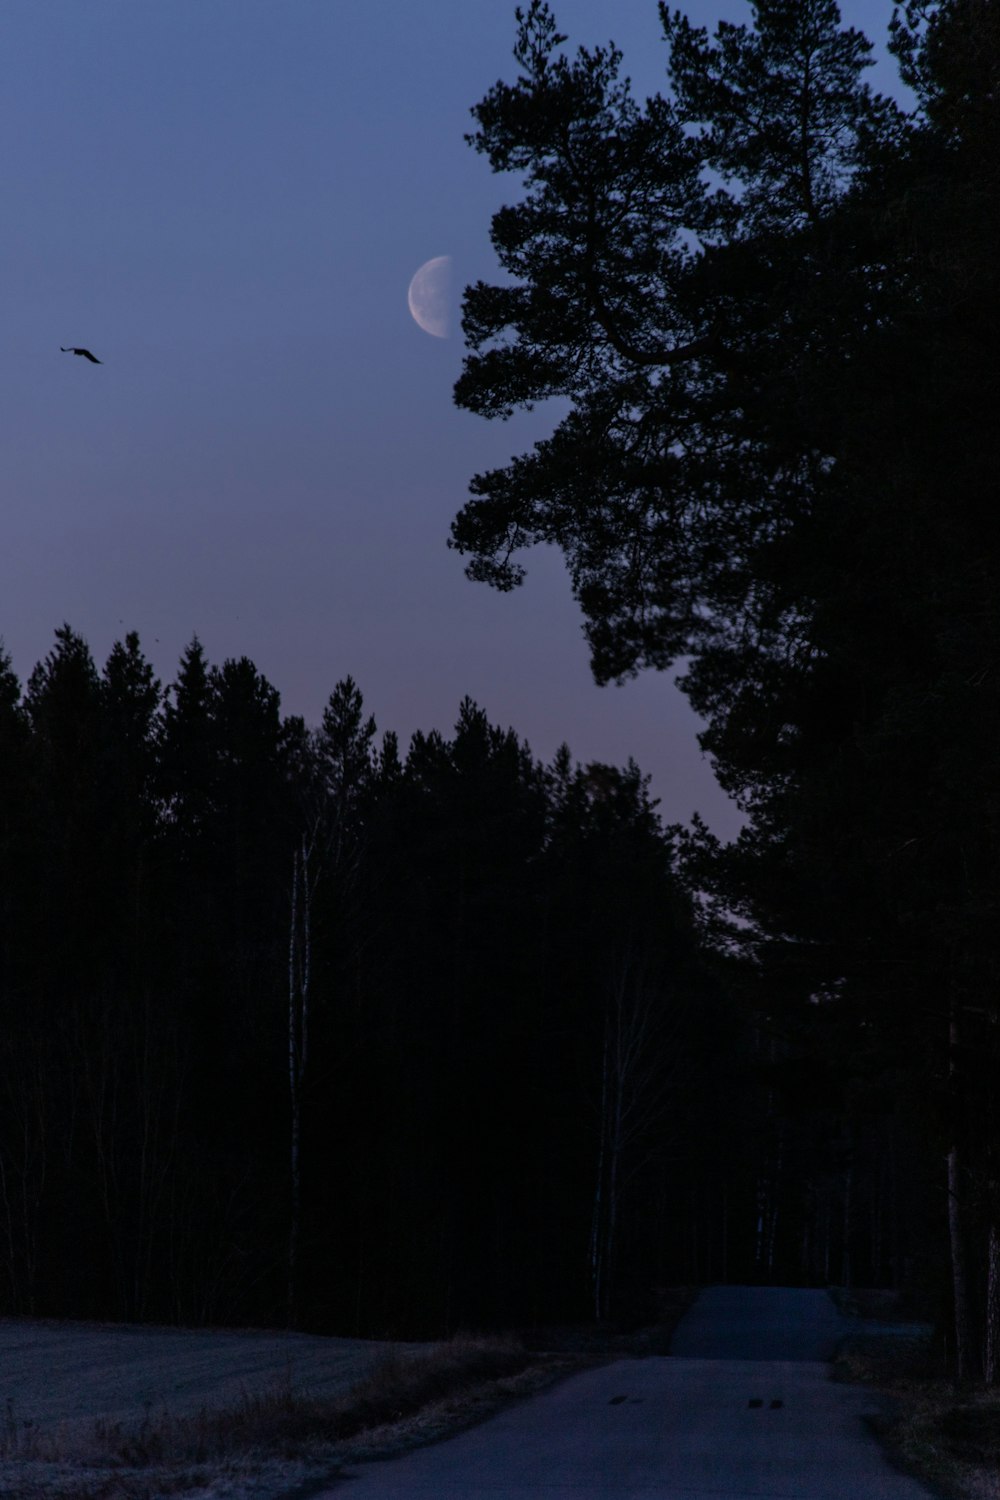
<point x="763" y="1322"/>
<point x="743" y="1410"/>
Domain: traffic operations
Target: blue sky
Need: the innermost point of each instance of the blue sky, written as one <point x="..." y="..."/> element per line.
<point x="226" y="200"/>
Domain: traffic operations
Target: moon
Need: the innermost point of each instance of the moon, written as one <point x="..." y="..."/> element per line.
<point x="429" y="296"/>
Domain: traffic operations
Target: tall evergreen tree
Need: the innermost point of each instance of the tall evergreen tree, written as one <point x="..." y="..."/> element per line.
<point x="63" y="708"/>
<point x="777" y="460"/>
<point x="187" y="753"/>
<point x="14" y="815"/>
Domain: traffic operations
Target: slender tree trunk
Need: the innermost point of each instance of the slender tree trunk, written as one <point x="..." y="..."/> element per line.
<point x="991" y="1362"/>
<point x="877" y="1215"/>
<point x="299" y="966"/>
<point x="605" y="1220"/>
<point x="845" y="1260"/>
<point x="772" y="1228"/>
<point x="761" y="1211"/>
<point x="956" y="1236"/>
<point x="695" y="1247"/>
<point x="632" y="1087"/>
<point x="597" y="1218"/>
<point x="101" y="1065"/>
<point x="156" y="1070"/>
<point x="22" y="1180"/>
<point x="895" y="1263"/>
<point x="293" y="1088"/>
<point x="959" y="1274"/>
<point x="725" y="1233"/>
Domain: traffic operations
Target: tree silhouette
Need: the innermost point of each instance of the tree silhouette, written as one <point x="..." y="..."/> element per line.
<point x="740" y="290"/>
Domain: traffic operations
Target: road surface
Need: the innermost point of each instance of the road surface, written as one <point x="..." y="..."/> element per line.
<point x="743" y="1409"/>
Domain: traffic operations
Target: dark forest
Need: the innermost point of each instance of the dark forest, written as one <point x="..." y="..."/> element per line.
<point x="769" y="298"/>
<point x="299" y="1030"/>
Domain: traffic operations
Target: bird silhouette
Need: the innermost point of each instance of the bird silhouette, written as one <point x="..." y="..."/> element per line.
<point x="86" y="354"/>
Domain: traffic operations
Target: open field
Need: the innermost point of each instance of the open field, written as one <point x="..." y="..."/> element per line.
<point x="106" y="1412"/>
<point x="66" y="1374"/>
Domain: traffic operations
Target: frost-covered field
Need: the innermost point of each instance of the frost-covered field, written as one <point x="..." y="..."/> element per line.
<point x="60" y="1382"/>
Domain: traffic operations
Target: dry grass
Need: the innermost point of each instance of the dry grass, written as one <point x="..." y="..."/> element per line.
<point x="283" y="1436"/>
<point x="271" y="1440"/>
<point x="895" y="1362"/>
<point x="880" y="1304"/>
<point x="949" y="1438"/>
<point x="939" y="1432"/>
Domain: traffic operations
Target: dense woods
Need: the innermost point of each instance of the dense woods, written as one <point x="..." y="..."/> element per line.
<point x="768" y="303"/>
<point x="297" y="1029"/>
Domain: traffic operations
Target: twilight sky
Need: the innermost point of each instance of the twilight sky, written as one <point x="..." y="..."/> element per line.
<point x="225" y="200"/>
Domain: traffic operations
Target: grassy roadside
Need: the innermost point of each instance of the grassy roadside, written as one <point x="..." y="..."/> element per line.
<point x="279" y="1440"/>
<point x="286" y="1441"/>
<point x="949" y="1436"/>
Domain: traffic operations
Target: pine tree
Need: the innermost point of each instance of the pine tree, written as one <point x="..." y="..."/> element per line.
<point x="779" y="461"/>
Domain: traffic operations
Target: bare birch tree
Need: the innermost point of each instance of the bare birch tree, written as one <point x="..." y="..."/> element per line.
<point x="991" y="1361"/>
<point x="23" y="1163"/>
<point x="964" y="1356"/>
<point x="337" y="763"/>
<point x="637" y="1074"/>
<point x="306" y="865"/>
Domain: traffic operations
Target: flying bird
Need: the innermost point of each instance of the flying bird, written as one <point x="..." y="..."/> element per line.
<point x="86" y="354"/>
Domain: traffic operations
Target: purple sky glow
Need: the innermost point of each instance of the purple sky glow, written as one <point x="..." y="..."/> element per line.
<point x="225" y="200"/>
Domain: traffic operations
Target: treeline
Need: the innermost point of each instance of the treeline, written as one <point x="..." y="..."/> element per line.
<point x="298" y="1030"/>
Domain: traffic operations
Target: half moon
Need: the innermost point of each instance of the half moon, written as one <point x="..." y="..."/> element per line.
<point x="429" y="296"/>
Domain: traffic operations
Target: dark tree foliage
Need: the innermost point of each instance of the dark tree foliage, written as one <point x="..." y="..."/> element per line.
<point x="675" y="319"/>
<point x="296" y="1027"/>
<point x="14" y="819"/>
<point x="770" y="299"/>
